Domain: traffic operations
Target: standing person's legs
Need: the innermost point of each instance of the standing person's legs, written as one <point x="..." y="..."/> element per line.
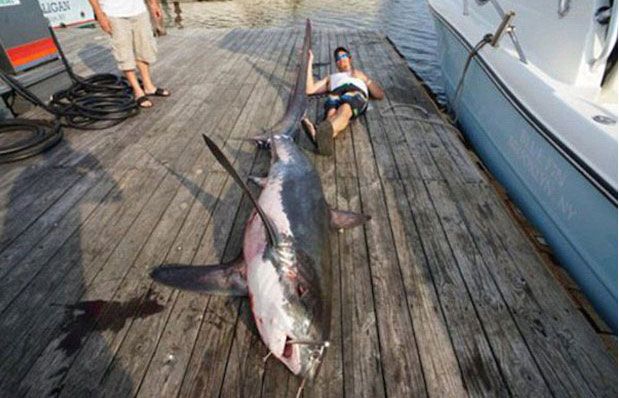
<point x="135" y="85"/>
<point x="146" y="53"/>
<point x="149" y="86"/>
<point x="122" y="49"/>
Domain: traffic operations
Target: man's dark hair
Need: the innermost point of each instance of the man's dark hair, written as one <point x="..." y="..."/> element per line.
<point x="340" y="50"/>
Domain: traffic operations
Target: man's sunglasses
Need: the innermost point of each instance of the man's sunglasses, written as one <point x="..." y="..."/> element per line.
<point x="341" y="56"/>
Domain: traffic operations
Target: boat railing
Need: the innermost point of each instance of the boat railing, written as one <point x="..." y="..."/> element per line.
<point x="505" y="27"/>
<point x="609" y="42"/>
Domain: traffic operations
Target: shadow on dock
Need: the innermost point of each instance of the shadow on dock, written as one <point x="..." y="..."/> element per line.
<point x="46" y="326"/>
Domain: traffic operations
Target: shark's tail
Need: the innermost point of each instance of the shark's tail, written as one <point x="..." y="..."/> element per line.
<point x="290" y="123"/>
<point x="297" y="105"/>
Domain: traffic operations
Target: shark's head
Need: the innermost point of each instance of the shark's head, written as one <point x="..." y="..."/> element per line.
<point x="294" y="318"/>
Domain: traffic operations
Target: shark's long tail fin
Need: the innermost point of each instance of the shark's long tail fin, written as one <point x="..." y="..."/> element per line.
<point x="297" y="105"/>
<point x="290" y="123"/>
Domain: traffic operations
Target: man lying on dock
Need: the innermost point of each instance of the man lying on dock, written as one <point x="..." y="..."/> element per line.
<point x="349" y="90"/>
<point x="133" y="43"/>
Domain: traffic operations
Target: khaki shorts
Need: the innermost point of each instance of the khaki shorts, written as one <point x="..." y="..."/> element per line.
<point x="133" y="39"/>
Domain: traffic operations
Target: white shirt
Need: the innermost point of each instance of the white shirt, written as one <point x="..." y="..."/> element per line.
<point x="122" y="8"/>
<point x="342" y="78"/>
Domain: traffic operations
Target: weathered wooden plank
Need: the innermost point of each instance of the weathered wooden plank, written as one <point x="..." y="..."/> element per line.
<point x="394" y="320"/>
<point x="518" y="368"/>
<point x="441" y="372"/>
<point x="361" y="367"/>
<point x="88" y="141"/>
<point x="21" y="275"/>
<point x="513" y="355"/>
<point x="25" y="211"/>
<point x="148" y="329"/>
<point x="10" y="257"/>
<point x="164" y="375"/>
<point x="476" y="360"/>
<point x="114" y="371"/>
<point x="512" y="360"/>
<point x="26" y="334"/>
<point x="205" y="371"/>
<point x="571" y="356"/>
<point x="165" y="147"/>
<point x="330" y="382"/>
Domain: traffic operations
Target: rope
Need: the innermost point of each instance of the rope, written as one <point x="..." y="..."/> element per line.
<point x="485" y="40"/>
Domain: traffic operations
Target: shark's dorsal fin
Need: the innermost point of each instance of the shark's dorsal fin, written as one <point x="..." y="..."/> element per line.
<point x="223" y="160"/>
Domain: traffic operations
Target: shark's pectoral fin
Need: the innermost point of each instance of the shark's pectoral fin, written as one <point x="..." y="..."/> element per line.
<point x="226" y="279"/>
<point x="342" y="219"/>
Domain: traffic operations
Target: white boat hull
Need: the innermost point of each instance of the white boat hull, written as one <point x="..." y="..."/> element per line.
<point x="573" y="207"/>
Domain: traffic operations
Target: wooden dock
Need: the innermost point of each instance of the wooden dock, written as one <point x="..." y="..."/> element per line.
<point x="442" y="294"/>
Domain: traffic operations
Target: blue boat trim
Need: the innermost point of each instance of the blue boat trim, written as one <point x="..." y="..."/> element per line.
<point x="596" y="180"/>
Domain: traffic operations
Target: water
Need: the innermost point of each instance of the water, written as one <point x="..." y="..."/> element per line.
<point x="407" y="23"/>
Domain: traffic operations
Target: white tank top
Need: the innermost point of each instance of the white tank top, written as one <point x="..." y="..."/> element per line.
<point x="338" y="80"/>
<point x="122" y="8"/>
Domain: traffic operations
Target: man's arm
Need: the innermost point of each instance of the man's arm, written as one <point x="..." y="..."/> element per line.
<point x="104" y="22"/>
<point x="376" y="91"/>
<point x="311" y="86"/>
<point x="155" y="9"/>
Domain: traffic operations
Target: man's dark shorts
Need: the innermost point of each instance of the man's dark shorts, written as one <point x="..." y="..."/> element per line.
<point x="357" y="101"/>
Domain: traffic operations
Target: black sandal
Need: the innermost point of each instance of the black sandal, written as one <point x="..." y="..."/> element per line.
<point x="324" y="138"/>
<point x="141" y="100"/>
<point x="310" y="130"/>
<point x="159" y="92"/>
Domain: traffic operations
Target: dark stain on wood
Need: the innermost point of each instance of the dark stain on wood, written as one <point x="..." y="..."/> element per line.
<point x="87" y="316"/>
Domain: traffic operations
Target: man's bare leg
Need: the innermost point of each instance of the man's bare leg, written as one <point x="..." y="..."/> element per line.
<point x="340" y="119"/>
<point x="135" y="85"/>
<point x="309" y="126"/>
<point x="144" y="69"/>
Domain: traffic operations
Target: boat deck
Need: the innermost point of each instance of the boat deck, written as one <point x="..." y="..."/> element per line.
<point x="442" y="294"/>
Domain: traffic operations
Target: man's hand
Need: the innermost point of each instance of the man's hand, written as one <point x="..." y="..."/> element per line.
<point x="155" y="9"/>
<point x="105" y="24"/>
<point x="310" y="57"/>
<point x="156" y="12"/>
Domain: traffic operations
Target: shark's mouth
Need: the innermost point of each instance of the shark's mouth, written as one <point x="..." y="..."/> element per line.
<point x="290" y="356"/>
<point x="287" y="348"/>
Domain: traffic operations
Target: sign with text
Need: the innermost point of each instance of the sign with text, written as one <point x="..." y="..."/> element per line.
<point x="65" y="12"/>
<point x="7" y="3"/>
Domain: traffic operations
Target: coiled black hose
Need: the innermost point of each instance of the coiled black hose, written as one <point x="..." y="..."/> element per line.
<point x="97" y="102"/>
<point x="21" y="138"/>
